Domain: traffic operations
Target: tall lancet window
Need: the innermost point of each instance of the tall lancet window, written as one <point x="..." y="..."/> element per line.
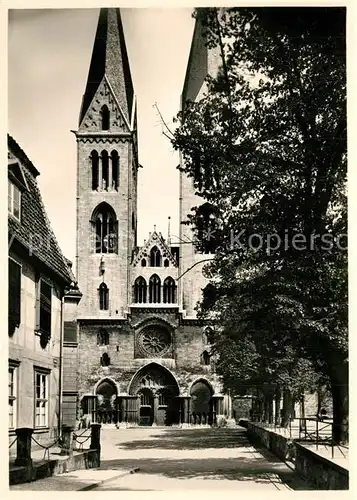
<point x="154" y="289"/>
<point x="105" y="116"/>
<point x="140" y="290"/>
<point x="103" y="297"/>
<point x="169" y="291"/>
<point x="95" y="169"/>
<point x="115" y="170"/>
<point x="106" y="229"/>
<point x="155" y="257"/>
<point x="105" y="170"/>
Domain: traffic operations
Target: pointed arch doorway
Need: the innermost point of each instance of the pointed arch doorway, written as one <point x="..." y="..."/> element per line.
<point x="201" y="394"/>
<point x="106" y="393"/>
<point x="157" y="391"/>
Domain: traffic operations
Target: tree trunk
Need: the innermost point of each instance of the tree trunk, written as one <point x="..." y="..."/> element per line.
<point x="270" y="409"/>
<point x="260" y="410"/>
<point x="277" y="406"/>
<point x="340" y="413"/>
<point x="288" y="408"/>
<point x="266" y="408"/>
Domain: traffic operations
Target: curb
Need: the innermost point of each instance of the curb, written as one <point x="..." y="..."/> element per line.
<point x="99" y="483"/>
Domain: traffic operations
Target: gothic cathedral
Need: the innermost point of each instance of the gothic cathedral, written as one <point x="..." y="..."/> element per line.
<point x="134" y="352"/>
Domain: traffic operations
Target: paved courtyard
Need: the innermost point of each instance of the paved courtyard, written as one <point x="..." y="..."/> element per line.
<point x="175" y="459"/>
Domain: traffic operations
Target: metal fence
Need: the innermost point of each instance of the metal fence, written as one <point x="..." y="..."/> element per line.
<point x="308" y="430"/>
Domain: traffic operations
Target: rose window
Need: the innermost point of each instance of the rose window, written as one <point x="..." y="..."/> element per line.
<point x="155" y="341"/>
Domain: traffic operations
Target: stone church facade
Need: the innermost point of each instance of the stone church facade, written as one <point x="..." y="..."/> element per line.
<point x="134" y="351"/>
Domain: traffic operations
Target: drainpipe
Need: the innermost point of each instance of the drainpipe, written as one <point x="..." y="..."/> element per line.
<point x="60" y="417"/>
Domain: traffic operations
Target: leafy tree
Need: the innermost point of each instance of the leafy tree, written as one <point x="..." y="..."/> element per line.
<point x="266" y="148"/>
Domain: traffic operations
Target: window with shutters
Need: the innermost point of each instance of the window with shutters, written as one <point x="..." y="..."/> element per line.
<point x="41" y="398"/>
<point x="70" y="331"/>
<point x="44" y="309"/>
<point x="14" y="296"/>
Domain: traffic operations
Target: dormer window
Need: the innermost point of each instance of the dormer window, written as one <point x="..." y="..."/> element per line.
<point x="14" y="200"/>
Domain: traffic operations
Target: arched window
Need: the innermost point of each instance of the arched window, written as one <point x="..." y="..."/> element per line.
<point x="103" y="297"/>
<point x="115" y="170"/>
<point x="106" y="230"/>
<point x="206" y="232"/>
<point x="105" y="170"/>
<point x="166" y="263"/>
<point x="140" y="290"/>
<point x="143" y="262"/>
<point x="105" y="359"/>
<point x="154" y="289"/>
<point x="155" y="257"/>
<point x="205" y="358"/>
<point x="103" y="337"/>
<point x="169" y="291"/>
<point x="105" y="116"/>
<point x="95" y="172"/>
<point x="208" y="335"/>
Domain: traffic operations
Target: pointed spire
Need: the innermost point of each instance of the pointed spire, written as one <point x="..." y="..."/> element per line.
<point x="110" y="58"/>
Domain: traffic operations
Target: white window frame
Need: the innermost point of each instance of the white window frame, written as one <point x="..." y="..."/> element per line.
<point x="13" y="394"/>
<point x="11" y="199"/>
<point x="41" y="400"/>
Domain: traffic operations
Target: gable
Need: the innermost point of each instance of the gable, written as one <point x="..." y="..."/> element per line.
<point x="92" y="120"/>
<point x="155" y="240"/>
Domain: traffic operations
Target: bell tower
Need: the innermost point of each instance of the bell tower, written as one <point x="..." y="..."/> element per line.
<point x="107" y="164"/>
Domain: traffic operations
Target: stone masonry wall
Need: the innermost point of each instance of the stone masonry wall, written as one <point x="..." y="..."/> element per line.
<point x="185" y="365"/>
<point x="116" y="274"/>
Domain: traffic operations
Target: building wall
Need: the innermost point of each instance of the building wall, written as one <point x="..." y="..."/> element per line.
<point x="123" y="321"/>
<point x="88" y="262"/>
<point x="202" y="62"/>
<point x="184" y="363"/>
<point x="25" y="349"/>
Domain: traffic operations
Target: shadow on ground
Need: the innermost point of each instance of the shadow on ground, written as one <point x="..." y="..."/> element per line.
<point x="235" y="469"/>
<point x="189" y="439"/>
<point x="264" y="468"/>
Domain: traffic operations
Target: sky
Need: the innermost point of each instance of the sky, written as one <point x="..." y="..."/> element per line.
<point x="49" y="54"/>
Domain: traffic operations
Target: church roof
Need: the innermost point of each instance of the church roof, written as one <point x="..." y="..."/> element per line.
<point x="34" y="231"/>
<point x="110" y="59"/>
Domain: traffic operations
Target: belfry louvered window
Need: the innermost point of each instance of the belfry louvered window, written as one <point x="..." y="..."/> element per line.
<point x="105" y="170"/>
<point x="115" y="170"/>
<point x="95" y="170"/>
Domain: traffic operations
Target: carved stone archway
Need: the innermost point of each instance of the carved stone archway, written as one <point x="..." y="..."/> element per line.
<point x="157" y="391"/>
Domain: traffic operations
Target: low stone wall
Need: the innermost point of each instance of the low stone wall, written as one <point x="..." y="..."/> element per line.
<point x="319" y="471"/>
<point x="88" y="459"/>
<point x="281" y="446"/>
<point x="323" y="473"/>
